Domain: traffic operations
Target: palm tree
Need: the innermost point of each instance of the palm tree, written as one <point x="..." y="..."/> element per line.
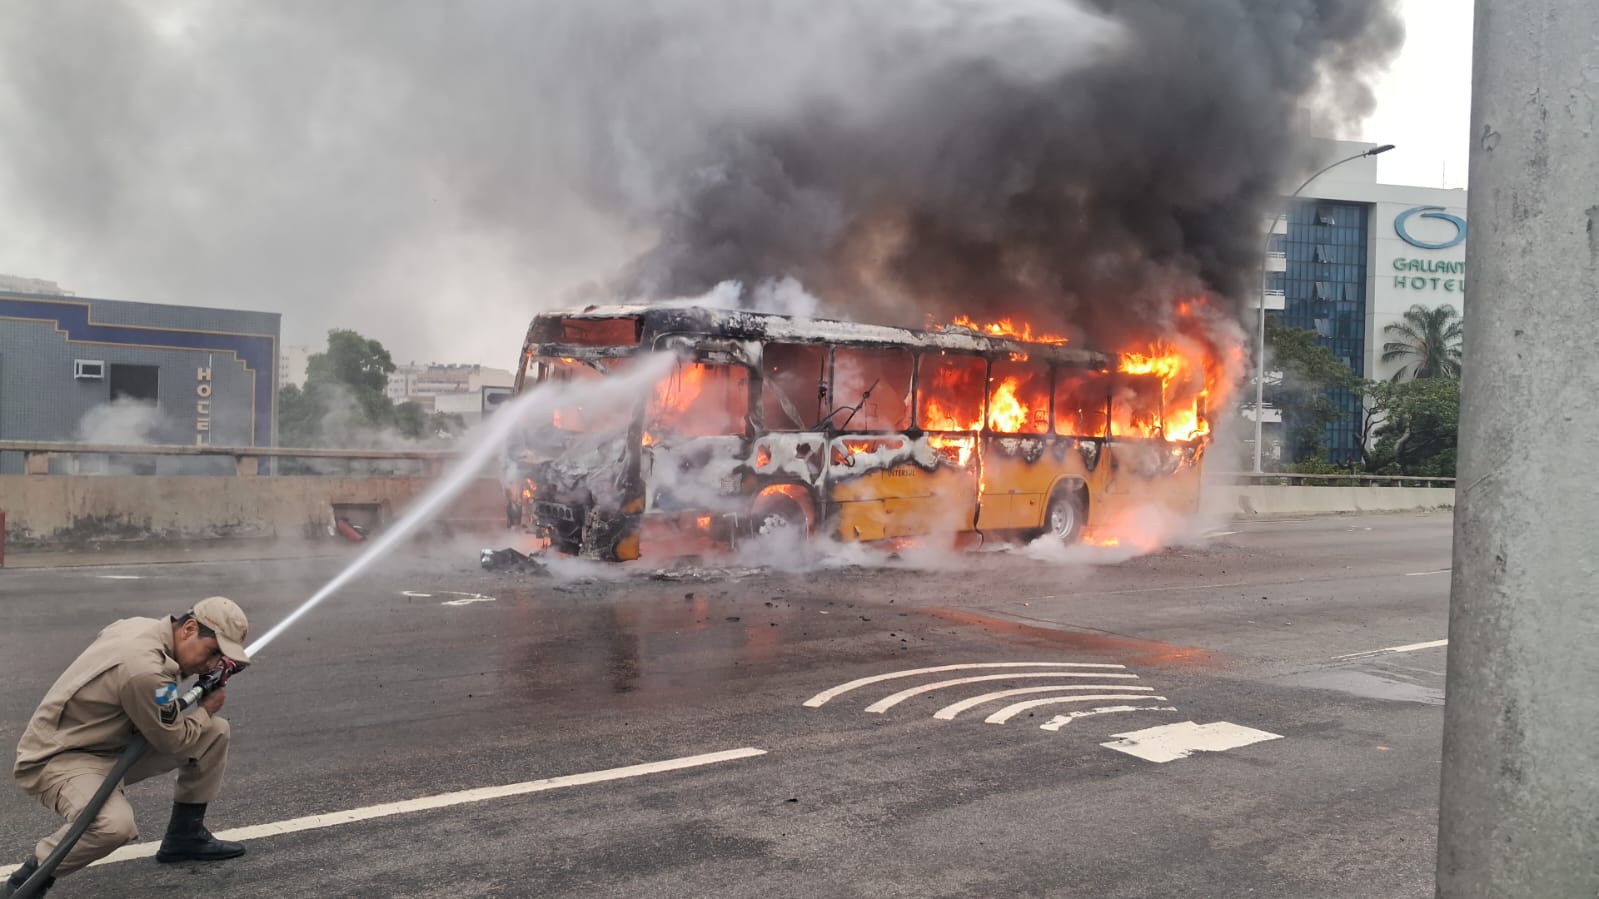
<point x="1427" y="341"/>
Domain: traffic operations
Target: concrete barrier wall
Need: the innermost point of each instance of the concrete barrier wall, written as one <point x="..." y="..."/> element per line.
<point x="1250" y="500"/>
<point x="61" y="511"/>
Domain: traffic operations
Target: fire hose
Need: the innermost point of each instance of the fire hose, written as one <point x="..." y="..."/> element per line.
<point x="208" y="683"/>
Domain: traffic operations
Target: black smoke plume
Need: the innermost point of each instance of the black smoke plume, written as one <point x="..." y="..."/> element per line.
<point x="434" y="173"/>
<point x="1102" y="163"/>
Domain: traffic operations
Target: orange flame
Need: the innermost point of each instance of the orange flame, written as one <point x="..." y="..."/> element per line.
<point x="1007" y="327"/>
<point x="1006" y="412"/>
<point x="1184" y="388"/>
<point x="956" y="449"/>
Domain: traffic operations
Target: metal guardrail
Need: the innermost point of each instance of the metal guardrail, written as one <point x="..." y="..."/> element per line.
<point x="37" y="454"/>
<point x="1295" y="479"/>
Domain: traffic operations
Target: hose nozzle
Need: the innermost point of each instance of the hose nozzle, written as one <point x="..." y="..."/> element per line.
<point x="209" y="682"/>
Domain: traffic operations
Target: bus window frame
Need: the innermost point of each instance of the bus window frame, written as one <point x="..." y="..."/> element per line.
<point x="835" y="409"/>
<point x="916" y="391"/>
<point x="823" y="382"/>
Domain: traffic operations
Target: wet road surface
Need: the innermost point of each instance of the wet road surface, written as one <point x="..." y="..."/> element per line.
<point x="1297" y="662"/>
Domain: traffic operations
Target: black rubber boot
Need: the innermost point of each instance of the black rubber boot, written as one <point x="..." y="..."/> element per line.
<point x="20" y="877"/>
<point x="187" y="840"/>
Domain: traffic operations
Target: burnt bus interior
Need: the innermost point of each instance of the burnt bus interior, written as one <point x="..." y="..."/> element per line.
<point x="767" y="421"/>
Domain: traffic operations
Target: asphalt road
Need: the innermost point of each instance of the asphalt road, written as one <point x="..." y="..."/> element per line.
<point x="430" y="676"/>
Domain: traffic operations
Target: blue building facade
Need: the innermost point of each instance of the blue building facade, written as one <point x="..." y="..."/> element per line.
<point x="1324" y="290"/>
<point x="109" y="371"/>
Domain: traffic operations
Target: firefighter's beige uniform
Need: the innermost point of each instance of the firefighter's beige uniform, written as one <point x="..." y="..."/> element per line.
<point x="125" y="681"/>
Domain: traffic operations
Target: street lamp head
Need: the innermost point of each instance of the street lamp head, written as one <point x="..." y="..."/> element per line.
<point x="1375" y="150"/>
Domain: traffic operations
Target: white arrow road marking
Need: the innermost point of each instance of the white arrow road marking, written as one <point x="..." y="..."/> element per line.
<point x="948" y="713"/>
<point x="1170" y="742"/>
<point x="888" y="702"/>
<point x="442" y="800"/>
<point x="467" y="600"/>
<point x="1408" y="647"/>
<point x="822" y="697"/>
<point x="1010" y="711"/>
<point x="1060" y="721"/>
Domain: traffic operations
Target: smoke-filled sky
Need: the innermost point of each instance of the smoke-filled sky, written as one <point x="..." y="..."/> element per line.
<point x="431" y="174"/>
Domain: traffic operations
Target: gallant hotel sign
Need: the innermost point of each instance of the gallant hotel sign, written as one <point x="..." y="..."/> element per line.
<point x="1429" y="229"/>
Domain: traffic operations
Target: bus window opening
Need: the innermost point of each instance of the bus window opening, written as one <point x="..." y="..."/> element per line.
<point x="791" y="386"/>
<point x="1018" y="400"/>
<point x="949" y="392"/>
<point x="871" y="389"/>
<point x="699" y="399"/>
<point x="1080" y="397"/>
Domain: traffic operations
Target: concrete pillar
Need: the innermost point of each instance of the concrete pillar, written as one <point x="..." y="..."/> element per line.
<point x="1520" y="793"/>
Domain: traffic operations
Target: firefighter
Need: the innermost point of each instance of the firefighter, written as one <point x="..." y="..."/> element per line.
<point x="126" y="681"/>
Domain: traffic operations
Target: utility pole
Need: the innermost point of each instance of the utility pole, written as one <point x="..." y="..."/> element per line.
<point x="1520" y="794"/>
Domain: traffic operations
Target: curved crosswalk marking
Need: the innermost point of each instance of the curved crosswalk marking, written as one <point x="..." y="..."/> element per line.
<point x="1010" y="711"/>
<point x="1060" y="721"/>
<point x="949" y="712"/>
<point x="888" y="702"/>
<point x="833" y="692"/>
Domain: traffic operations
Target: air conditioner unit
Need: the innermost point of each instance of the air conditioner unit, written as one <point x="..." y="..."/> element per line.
<point x="88" y="369"/>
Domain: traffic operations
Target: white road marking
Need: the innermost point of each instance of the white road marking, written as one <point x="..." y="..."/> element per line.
<point x="1221" y="533"/>
<point x="1011" y="711"/>
<point x="948" y="713"/>
<point x="888" y="702"/>
<point x="822" y="697"/>
<point x="1408" y="647"/>
<point x="120" y="577"/>
<point x="442" y="800"/>
<point x="462" y="599"/>
<point x="1420" y="573"/>
<point x="1060" y="721"/>
<point x="1170" y="742"/>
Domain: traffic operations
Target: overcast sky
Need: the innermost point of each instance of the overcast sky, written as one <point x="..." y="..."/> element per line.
<point x="423" y="240"/>
<point x="1424" y="100"/>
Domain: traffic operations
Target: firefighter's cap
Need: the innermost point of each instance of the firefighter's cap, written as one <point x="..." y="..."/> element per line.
<point x="224" y="618"/>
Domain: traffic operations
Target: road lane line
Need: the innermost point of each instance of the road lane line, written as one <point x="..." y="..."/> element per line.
<point x="1408" y="647"/>
<point x="888" y="702"/>
<point x="822" y="697"/>
<point x="1421" y="573"/>
<point x="1011" y="711"/>
<point x="442" y="800"/>
<point x="1060" y="721"/>
<point x="948" y="713"/>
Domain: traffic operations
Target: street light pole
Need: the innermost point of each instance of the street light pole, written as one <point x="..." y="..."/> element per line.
<point x="1260" y="292"/>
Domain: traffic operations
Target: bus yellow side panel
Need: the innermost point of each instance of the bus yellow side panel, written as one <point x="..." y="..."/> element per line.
<point x="904" y="501"/>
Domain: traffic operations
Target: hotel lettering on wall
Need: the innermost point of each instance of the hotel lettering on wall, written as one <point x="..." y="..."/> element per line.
<point x="1439" y="231"/>
<point x="202" y="406"/>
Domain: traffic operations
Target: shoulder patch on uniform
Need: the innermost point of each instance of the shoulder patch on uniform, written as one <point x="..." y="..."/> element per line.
<point x="166" y="694"/>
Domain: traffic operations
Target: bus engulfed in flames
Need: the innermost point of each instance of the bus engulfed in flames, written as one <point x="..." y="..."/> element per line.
<point x="859" y="432"/>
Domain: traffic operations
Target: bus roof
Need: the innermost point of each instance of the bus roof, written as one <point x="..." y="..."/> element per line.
<point x="741" y="324"/>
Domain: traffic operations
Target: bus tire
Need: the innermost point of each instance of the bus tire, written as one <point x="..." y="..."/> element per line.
<point x="779" y="520"/>
<point x="1065" y="515"/>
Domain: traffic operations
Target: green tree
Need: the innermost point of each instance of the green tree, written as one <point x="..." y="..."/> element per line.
<point x="1427" y="341"/>
<point x="357" y="362"/>
<point x="343" y="403"/>
<point x="1419" y="427"/>
<point x="1308" y="393"/>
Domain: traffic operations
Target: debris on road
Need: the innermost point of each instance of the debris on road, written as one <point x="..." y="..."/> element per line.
<point x="509" y="559"/>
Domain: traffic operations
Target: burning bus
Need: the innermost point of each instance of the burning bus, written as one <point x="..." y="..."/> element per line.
<point x="769" y="423"/>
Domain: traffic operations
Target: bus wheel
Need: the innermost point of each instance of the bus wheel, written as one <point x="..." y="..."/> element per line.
<point x="780" y="520"/>
<point x="1064" y="517"/>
